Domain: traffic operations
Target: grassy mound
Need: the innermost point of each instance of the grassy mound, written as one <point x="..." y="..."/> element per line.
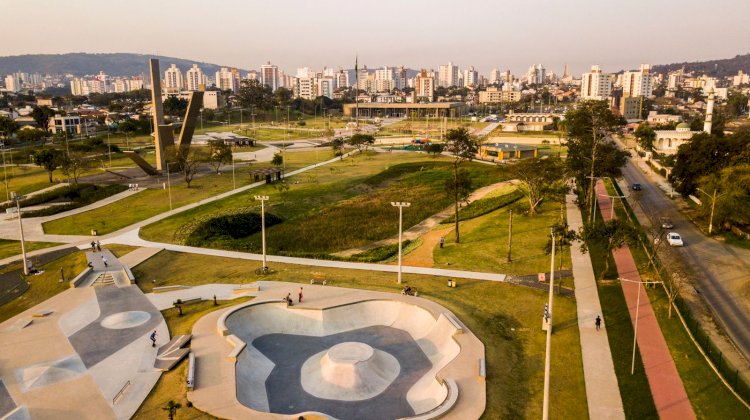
<point x="485" y="205"/>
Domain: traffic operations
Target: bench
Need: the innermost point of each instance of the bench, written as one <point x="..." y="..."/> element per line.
<point x="187" y="301"/>
<point x="482" y="368"/>
<point x="244" y="288"/>
<point x="191" y="371"/>
<point x="238" y="344"/>
<point x="42" y="314"/>
<point x="79" y="278"/>
<point x="452" y="319"/>
<point x="319" y="278"/>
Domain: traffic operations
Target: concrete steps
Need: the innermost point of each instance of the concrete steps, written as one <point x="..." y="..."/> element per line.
<point x="104" y="279"/>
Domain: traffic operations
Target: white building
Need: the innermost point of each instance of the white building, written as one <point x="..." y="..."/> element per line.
<point x="269" y="75"/>
<point x="667" y="141"/>
<point x="424" y="85"/>
<point x="342" y="79"/>
<point x="305" y="88"/>
<point x="595" y="84"/>
<point x="448" y="75"/>
<point x="471" y="77"/>
<point x="227" y="79"/>
<point x="173" y="81"/>
<point x="196" y="80"/>
<point x="655" y="118"/>
<point x="740" y="79"/>
<point x="495" y="76"/>
<point x="536" y="75"/>
<point x="638" y="83"/>
<point x="67" y="123"/>
<point x="326" y="86"/>
<point x="12" y="83"/>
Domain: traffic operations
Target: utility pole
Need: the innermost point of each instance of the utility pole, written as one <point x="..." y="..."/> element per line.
<point x="510" y="234"/>
<point x="263" y="199"/>
<point x="713" y="206"/>
<point x="400" y="206"/>
<point x="17" y="198"/>
<point x="547" y="357"/>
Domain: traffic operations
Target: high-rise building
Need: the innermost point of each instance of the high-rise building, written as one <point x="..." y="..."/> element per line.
<point x="386" y="73"/>
<point x="424" y="86"/>
<point x="637" y="83"/>
<point x="495" y="76"/>
<point x="400" y="78"/>
<point x="269" y="75"/>
<point x="12" y="83"/>
<point x="326" y="86"/>
<point x="471" y="77"/>
<point x="362" y="75"/>
<point x="196" y="80"/>
<point x="448" y="75"/>
<point x="305" y="88"/>
<point x="536" y="75"/>
<point x="173" y="81"/>
<point x="595" y="84"/>
<point x="342" y="79"/>
<point x="227" y="79"/>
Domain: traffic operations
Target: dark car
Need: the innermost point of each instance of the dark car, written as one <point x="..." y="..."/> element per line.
<point x="636" y="187"/>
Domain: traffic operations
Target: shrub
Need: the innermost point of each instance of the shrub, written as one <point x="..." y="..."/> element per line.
<point x="224" y="226"/>
<point x="380" y="253"/>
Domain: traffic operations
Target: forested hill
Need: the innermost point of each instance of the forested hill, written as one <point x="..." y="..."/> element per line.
<point x="716" y="68"/>
<point x="79" y="64"/>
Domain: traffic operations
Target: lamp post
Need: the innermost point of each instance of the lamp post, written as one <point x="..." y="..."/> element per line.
<point x="612" y="206"/>
<point x="234" y="183"/>
<point x="713" y="205"/>
<point x="263" y="199"/>
<point x="400" y="205"/>
<point x="169" y="188"/>
<point x="548" y="352"/>
<point x="637" y="310"/>
<point x="17" y="198"/>
<point x="593" y="197"/>
<point x="5" y="179"/>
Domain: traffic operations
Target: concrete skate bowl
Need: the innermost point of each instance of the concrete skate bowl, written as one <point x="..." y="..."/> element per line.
<point x="379" y="357"/>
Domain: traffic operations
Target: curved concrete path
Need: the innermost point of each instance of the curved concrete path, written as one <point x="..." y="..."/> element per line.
<point x="669" y="393"/>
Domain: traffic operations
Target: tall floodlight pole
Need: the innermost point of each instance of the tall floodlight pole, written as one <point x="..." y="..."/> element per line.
<point x="713" y="205"/>
<point x="547" y="357"/>
<point x="234" y="183"/>
<point x="400" y="206"/>
<point x="510" y="234"/>
<point x="5" y="179"/>
<point x="109" y="149"/>
<point x="637" y="310"/>
<point x="263" y="199"/>
<point x="612" y="206"/>
<point x="169" y="188"/>
<point x="17" y="198"/>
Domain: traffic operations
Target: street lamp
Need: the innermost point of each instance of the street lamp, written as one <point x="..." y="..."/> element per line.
<point x="637" y="310"/>
<point x="400" y="205"/>
<point x="17" y="198"/>
<point x="169" y="188"/>
<point x="612" y="206"/>
<point x="713" y="205"/>
<point x="263" y="199"/>
<point x="548" y="319"/>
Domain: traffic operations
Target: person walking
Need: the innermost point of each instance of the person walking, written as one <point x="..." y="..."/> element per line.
<point x="442" y="241"/>
<point x="300" y="295"/>
<point x="104" y="260"/>
<point x="93" y="246"/>
<point x="98" y="246"/>
<point x="153" y="339"/>
<point x="598" y="322"/>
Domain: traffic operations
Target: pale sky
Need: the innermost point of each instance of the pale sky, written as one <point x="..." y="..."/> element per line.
<point x="416" y="33"/>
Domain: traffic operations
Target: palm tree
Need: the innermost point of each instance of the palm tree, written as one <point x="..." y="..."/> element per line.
<point x="172" y="408"/>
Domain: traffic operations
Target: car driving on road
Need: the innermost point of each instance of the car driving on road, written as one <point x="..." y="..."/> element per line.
<point x="637" y="187"/>
<point x="674" y="239"/>
<point x="666" y="223"/>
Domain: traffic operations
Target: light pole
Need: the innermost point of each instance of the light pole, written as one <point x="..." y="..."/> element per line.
<point x="263" y="199"/>
<point x="17" y="198"/>
<point x="109" y="149"/>
<point x="234" y="183"/>
<point x="547" y="357"/>
<point x="612" y="206"/>
<point x="169" y="188"/>
<point x="593" y="197"/>
<point x="5" y="179"/>
<point x="400" y="205"/>
<point x="637" y="310"/>
<point x="713" y="205"/>
<point x="510" y="233"/>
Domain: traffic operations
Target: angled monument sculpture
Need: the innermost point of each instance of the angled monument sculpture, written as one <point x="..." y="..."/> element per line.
<point x="164" y="133"/>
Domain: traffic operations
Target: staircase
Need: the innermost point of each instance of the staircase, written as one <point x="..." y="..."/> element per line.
<point x="104" y="279"/>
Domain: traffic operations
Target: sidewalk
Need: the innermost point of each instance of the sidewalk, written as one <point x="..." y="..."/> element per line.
<point x="602" y="390"/>
<point x="669" y="394"/>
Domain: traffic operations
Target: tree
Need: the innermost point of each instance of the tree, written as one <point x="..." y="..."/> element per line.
<point x="127" y="127"/>
<point x="732" y="198"/>
<point x="564" y="237"/>
<point x="30" y="135"/>
<point x="645" y="136"/>
<point x="361" y="141"/>
<point x="42" y="114"/>
<point x="73" y="164"/>
<point x="705" y="154"/>
<point x="48" y="159"/>
<point x="591" y="153"/>
<point x="337" y="145"/>
<point x="171" y="408"/>
<point x="610" y="235"/>
<point x="221" y="153"/>
<point x="463" y="147"/>
<point x="736" y="104"/>
<point x="175" y="106"/>
<point x="278" y="159"/>
<point x="434" y="149"/>
<point x="7" y="126"/>
<point x="282" y="96"/>
<point x="255" y="94"/>
<point x="188" y="160"/>
<point x="539" y="179"/>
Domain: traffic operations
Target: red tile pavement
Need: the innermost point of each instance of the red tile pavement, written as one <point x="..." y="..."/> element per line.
<point x="669" y="394"/>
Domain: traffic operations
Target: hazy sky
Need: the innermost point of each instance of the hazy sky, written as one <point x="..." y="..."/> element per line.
<point x="415" y="33"/>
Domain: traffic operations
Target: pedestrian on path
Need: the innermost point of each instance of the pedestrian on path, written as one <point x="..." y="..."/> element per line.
<point x="104" y="260"/>
<point x="598" y="322"/>
<point x="442" y="241"/>
<point x="98" y="246"/>
<point x="300" y="295"/>
<point x="153" y="339"/>
<point x="93" y="246"/>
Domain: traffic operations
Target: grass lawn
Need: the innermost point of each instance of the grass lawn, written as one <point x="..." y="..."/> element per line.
<point x="484" y="242"/>
<point x="155" y="201"/>
<point x="171" y="384"/>
<point x="505" y="317"/>
<point x="9" y="248"/>
<point x="26" y="179"/>
<point x="345" y="208"/>
<point x="418" y="127"/>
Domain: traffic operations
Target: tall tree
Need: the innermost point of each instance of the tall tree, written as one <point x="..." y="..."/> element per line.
<point x="361" y="141"/>
<point x="645" y="136"/>
<point x="7" y="127"/>
<point x="220" y="154"/>
<point x="49" y="159"/>
<point x="611" y="235"/>
<point x="732" y="186"/>
<point x="255" y="94"/>
<point x="42" y="114"/>
<point x="175" y="106"/>
<point x="705" y="154"/>
<point x="463" y="147"/>
<point x="73" y="164"/>
<point x="539" y="179"/>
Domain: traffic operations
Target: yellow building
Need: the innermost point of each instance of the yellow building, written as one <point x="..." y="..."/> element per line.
<point x="506" y="151"/>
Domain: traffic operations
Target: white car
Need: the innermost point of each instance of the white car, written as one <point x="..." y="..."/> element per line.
<point x="674" y="239"/>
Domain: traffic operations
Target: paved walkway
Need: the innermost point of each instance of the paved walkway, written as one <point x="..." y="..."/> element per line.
<point x="669" y="394"/>
<point x="602" y="390"/>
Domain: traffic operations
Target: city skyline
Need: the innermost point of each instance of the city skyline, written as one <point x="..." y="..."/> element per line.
<point x="323" y="35"/>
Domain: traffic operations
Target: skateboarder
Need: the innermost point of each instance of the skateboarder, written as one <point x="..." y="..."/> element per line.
<point x="598" y="322"/>
<point x="93" y="246"/>
<point x="104" y="260"/>
<point x="98" y="246"/>
<point x="153" y="339"/>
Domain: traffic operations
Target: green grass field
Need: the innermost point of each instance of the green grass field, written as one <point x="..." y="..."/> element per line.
<point x="151" y="202"/>
<point x="505" y="317"/>
<point x="9" y="248"/>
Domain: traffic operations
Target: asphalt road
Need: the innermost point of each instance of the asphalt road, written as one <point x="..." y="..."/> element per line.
<point x="721" y="273"/>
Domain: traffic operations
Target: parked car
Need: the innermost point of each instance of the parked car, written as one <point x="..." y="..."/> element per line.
<point x="666" y="223"/>
<point x="637" y="187"/>
<point x="674" y="239"/>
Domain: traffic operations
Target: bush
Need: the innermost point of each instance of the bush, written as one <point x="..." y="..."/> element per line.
<point x="380" y="253"/>
<point x="484" y="206"/>
<point x="78" y="195"/>
<point x="226" y="226"/>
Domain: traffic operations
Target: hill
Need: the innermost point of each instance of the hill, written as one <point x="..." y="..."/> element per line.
<point x="79" y="64"/>
<point x="716" y="68"/>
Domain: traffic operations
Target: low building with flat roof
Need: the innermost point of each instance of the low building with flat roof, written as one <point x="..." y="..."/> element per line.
<point x="505" y="151"/>
<point x="432" y="109"/>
